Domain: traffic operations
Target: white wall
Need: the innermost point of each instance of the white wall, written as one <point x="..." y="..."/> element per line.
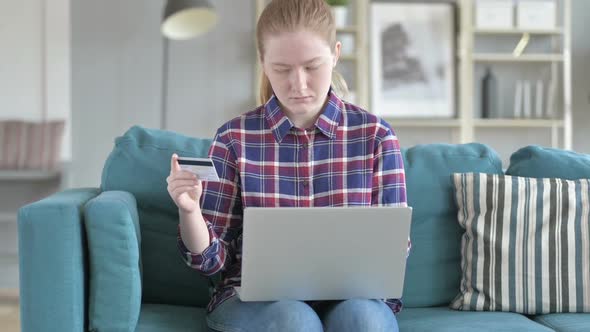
<point x="20" y="60"/>
<point x="581" y="74"/>
<point x="58" y="75"/>
<point x="32" y="76"/>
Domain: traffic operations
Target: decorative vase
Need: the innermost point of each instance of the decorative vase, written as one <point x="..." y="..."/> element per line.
<point x="489" y="95"/>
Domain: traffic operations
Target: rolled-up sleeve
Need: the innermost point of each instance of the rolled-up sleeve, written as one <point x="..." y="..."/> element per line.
<point x="221" y="207"/>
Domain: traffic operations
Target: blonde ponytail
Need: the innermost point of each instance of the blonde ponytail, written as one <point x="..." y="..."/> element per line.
<point x="339" y="85"/>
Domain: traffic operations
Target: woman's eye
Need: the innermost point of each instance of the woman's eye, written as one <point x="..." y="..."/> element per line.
<point x="311" y="68"/>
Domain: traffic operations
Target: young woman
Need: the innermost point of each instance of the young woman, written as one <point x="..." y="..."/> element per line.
<point x="303" y="147"/>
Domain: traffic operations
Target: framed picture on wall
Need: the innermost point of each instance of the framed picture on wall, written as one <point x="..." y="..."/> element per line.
<point x="412" y="60"/>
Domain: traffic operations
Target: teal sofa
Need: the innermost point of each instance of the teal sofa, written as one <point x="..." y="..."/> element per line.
<point x="105" y="259"/>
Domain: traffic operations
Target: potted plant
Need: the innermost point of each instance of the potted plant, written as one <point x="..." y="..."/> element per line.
<point x="340" y="11"/>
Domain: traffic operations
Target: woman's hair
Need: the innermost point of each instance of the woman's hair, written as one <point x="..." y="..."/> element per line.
<point x="291" y="15"/>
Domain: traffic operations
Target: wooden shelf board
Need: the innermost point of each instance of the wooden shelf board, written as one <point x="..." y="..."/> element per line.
<point x="440" y="123"/>
<point x="348" y="57"/>
<point x="348" y="29"/>
<point x="517" y="31"/>
<point x="7" y="217"/>
<point x="518" y="123"/>
<point x="30" y="175"/>
<point x="491" y="57"/>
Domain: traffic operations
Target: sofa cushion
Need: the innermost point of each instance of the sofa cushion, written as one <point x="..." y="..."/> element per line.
<point x="526" y="244"/>
<point x="443" y="319"/>
<point x="165" y="318"/>
<point x="112" y="227"/>
<point x="139" y="164"/>
<point x="568" y="322"/>
<point x="540" y="162"/>
<point x="433" y="267"/>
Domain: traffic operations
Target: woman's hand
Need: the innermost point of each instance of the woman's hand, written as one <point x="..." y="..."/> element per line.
<point x="184" y="187"/>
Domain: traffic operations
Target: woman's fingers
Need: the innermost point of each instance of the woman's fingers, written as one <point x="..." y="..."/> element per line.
<point x="178" y="183"/>
<point x="182" y="175"/>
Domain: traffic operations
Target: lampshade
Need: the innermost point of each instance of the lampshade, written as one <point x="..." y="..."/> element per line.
<point x="184" y="19"/>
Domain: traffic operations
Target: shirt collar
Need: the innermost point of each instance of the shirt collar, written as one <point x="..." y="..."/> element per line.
<point x="327" y="122"/>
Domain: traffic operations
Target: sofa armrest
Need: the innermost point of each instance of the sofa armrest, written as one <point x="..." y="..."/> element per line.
<point x="52" y="262"/>
<point x="114" y="242"/>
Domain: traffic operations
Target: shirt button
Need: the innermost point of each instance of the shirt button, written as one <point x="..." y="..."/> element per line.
<point x="304" y="145"/>
<point x="305" y="183"/>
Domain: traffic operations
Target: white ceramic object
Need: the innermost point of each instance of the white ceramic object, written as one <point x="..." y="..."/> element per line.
<point x="340" y="16"/>
<point x="536" y="14"/>
<point x="494" y="14"/>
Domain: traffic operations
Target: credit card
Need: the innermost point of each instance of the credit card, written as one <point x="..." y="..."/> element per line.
<point x="203" y="168"/>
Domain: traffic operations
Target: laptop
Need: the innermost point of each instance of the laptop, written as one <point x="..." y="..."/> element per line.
<point x="324" y="253"/>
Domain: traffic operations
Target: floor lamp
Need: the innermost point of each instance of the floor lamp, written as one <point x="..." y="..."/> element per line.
<point x="182" y="20"/>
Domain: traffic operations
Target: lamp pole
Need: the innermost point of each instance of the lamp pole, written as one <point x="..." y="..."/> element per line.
<point x="165" y="71"/>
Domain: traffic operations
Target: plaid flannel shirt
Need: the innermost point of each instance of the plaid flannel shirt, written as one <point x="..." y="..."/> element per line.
<point x="349" y="158"/>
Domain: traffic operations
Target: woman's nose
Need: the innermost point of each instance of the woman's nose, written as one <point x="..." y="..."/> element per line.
<point x="299" y="80"/>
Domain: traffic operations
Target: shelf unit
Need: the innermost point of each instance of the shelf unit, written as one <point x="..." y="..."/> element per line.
<point x="468" y="59"/>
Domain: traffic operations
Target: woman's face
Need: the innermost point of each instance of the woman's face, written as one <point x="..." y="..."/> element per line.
<point x="299" y="67"/>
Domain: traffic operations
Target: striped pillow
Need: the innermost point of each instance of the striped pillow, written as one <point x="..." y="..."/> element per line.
<point x="526" y="246"/>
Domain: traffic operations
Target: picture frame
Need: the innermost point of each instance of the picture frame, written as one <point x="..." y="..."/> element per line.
<point x="412" y="62"/>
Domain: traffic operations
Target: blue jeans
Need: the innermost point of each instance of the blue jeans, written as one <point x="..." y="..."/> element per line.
<point x="356" y="315"/>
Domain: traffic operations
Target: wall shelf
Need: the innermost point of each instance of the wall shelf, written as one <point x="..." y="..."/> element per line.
<point x="517" y="123"/>
<point x="348" y="57"/>
<point x="557" y="31"/>
<point x="349" y="29"/>
<point x="497" y="57"/>
<point x="432" y="123"/>
<point x="7" y="217"/>
<point x="28" y="175"/>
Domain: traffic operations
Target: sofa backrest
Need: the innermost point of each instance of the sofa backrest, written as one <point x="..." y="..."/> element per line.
<point x="433" y="270"/>
<point x="139" y="164"/>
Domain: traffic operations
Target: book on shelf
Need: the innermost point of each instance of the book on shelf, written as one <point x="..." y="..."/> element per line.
<point x="526" y="99"/>
<point x="539" y="100"/>
<point x="551" y="92"/>
<point x="518" y="99"/>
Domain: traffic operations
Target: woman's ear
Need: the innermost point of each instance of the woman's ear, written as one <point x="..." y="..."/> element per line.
<point x="337" y="49"/>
